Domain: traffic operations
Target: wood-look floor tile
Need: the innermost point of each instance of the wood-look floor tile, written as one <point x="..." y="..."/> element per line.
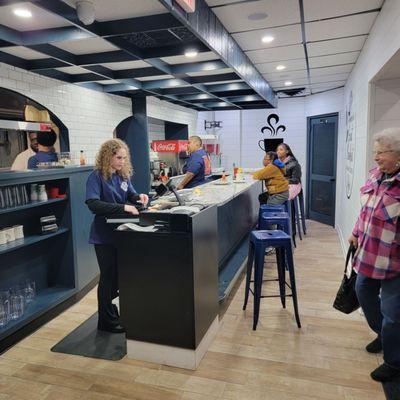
<point x="324" y="360"/>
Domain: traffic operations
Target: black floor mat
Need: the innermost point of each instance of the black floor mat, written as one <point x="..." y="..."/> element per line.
<point x="87" y="341"/>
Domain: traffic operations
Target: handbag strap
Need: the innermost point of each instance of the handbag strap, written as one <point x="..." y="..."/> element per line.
<point x="350" y="254"/>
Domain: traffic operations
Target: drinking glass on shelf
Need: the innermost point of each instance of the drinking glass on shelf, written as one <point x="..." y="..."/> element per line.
<point x="4" y="308"/>
<point x="30" y="290"/>
<point x="17" y="305"/>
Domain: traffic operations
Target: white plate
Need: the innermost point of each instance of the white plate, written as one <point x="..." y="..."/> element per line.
<point x="221" y="183"/>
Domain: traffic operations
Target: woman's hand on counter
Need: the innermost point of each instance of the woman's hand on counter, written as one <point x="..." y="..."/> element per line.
<point x="131" y="209"/>
<point x="144" y="199"/>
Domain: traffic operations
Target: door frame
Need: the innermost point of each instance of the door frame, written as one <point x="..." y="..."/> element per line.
<point x="308" y="184"/>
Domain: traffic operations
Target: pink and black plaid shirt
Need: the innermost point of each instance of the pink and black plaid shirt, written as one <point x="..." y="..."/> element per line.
<point x="378" y="227"/>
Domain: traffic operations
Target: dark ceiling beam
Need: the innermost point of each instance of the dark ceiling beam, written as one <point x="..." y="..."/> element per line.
<point x="198" y="67"/>
<point x="204" y="89"/>
<point x="163" y="84"/>
<point x="10" y="35"/>
<point x="93" y="86"/>
<point x="174" y="50"/>
<point x="226" y="87"/>
<point x="53" y="73"/>
<point x="89" y="77"/>
<point x="4" y="43"/>
<point x="100" y="70"/>
<point x="55" y="52"/>
<point x="104" y="57"/>
<point x="204" y="100"/>
<point x="238" y="99"/>
<point x="215" y="78"/>
<point x="180" y="90"/>
<point x="13" y="60"/>
<point x="43" y="36"/>
<point x="152" y="56"/>
<point x="206" y="26"/>
<point x="45" y="63"/>
<point x="135" y="25"/>
<point x="120" y="87"/>
<point x="136" y="72"/>
<point x="195" y="97"/>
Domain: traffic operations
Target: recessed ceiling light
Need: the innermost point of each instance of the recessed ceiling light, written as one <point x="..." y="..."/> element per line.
<point x="267" y="39"/>
<point x="288" y="83"/>
<point x="23" y="13"/>
<point x="191" y="53"/>
<point x="280" y="67"/>
<point x="257" y="16"/>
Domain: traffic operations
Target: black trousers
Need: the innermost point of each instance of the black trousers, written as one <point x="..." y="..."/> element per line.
<point x="107" y="289"/>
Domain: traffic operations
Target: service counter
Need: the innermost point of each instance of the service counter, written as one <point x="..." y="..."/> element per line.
<point x="169" y="277"/>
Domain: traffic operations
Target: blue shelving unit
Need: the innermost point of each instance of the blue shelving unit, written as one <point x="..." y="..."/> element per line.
<point x="44" y="301"/>
<point x="61" y="263"/>
<point x="29" y="240"/>
<point x="31" y="205"/>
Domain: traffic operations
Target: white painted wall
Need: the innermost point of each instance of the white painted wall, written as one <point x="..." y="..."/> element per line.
<point x="241" y="130"/>
<point x="90" y="116"/>
<point x="382" y="43"/>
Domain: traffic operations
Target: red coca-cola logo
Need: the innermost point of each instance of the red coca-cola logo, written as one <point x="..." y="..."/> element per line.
<point x="165" y="147"/>
<point x="170" y="146"/>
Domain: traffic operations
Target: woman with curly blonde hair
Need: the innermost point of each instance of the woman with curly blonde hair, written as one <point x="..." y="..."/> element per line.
<point x="109" y="191"/>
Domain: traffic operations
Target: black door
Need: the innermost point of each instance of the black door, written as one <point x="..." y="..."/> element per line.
<point x="321" y="185"/>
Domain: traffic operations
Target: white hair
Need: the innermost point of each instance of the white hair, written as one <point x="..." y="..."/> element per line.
<point x="389" y="137"/>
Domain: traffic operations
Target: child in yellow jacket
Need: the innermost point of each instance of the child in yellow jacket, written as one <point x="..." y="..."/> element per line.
<point x="273" y="174"/>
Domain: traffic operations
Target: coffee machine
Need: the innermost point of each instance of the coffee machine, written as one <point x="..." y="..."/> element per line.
<point x="167" y="158"/>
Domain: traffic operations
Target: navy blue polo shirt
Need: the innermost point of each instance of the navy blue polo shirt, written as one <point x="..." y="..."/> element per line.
<point x="197" y="164"/>
<point x="115" y="190"/>
<point x="41" y="156"/>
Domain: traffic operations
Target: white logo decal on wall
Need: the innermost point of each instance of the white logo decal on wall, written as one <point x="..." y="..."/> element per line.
<point x="350" y="145"/>
<point x="271" y="129"/>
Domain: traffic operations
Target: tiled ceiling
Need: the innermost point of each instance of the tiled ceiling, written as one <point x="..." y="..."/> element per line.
<point x="334" y="34"/>
<point x="316" y="41"/>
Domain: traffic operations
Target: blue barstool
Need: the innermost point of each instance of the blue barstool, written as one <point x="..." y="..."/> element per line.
<point x="302" y="214"/>
<point x="295" y="218"/>
<point x="281" y="241"/>
<point x="281" y="219"/>
<point x="285" y="207"/>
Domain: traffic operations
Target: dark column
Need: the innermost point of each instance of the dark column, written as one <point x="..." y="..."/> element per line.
<point x="134" y="132"/>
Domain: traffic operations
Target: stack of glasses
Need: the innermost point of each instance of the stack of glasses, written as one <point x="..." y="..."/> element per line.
<point x="15" y="300"/>
<point x="13" y="196"/>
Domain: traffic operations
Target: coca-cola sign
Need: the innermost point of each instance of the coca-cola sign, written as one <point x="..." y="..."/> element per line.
<point x="169" y="146"/>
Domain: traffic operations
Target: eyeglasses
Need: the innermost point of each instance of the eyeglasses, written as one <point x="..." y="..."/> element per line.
<point x="379" y="153"/>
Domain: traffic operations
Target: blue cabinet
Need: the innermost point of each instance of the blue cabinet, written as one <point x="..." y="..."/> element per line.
<point x="61" y="263"/>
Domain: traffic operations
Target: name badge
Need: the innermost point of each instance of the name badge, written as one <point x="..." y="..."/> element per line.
<point x="124" y="186"/>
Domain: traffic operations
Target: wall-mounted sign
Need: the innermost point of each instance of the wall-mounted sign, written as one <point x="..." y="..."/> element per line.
<point x="170" y="146"/>
<point x="188" y="5"/>
<point x="273" y="129"/>
<point x="350" y="145"/>
<point x="212" y="124"/>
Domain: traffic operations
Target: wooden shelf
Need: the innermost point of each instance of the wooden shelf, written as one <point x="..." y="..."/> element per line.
<point x="29" y="240"/>
<point x="44" y="301"/>
<point x="31" y="205"/>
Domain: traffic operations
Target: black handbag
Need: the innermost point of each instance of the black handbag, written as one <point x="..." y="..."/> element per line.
<point x="346" y="299"/>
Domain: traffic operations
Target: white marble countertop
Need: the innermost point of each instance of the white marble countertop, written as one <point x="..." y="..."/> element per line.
<point x="214" y="192"/>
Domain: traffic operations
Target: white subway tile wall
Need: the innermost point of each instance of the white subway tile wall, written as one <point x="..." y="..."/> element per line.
<point x="90" y="116"/>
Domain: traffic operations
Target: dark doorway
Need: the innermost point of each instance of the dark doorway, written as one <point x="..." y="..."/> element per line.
<point x="321" y="156"/>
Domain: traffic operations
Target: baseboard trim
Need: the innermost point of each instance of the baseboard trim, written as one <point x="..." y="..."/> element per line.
<point x="172" y="356"/>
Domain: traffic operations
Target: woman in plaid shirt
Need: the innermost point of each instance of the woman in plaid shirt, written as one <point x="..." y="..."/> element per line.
<point x="376" y="236"/>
